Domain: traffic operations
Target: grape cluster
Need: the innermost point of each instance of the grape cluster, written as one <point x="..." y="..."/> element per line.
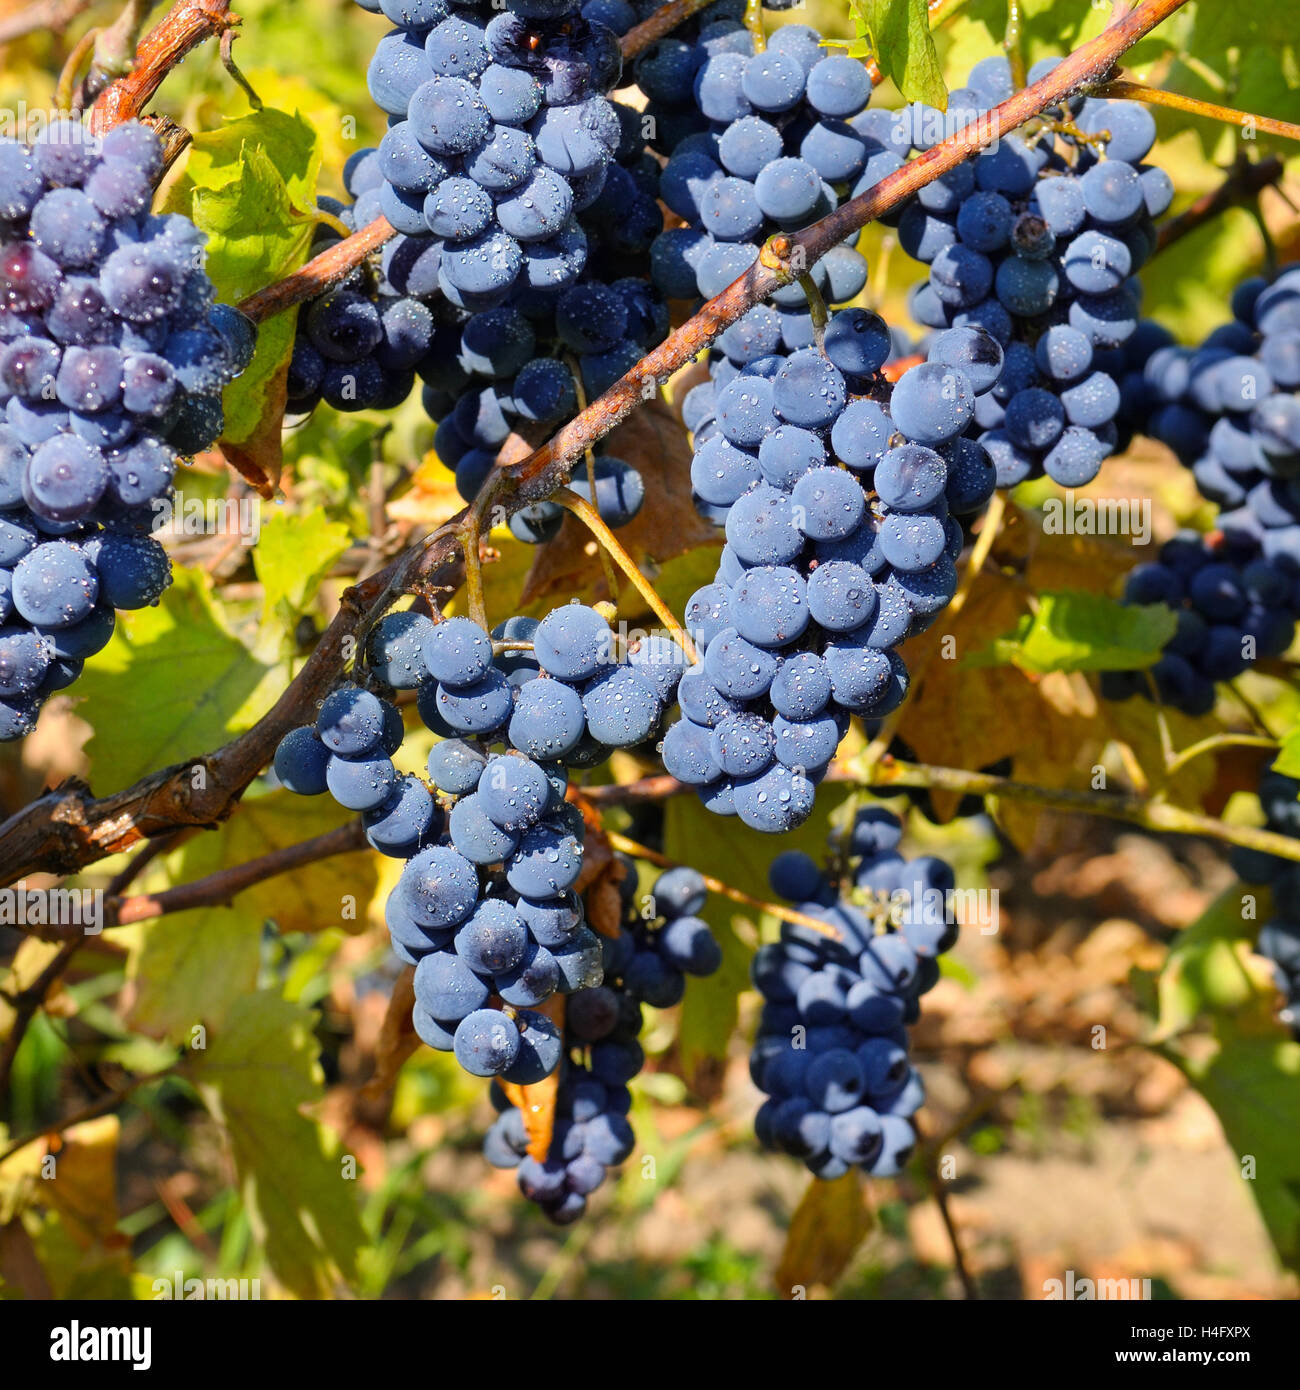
<point x="485" y="906"/>
<point x="841" y="500"/>
<point x="1279" y="937"/>
<point x="360" y="345"/>
<point x="1038" y="240"/>
<point x="1230" y="409"/>
<point x="661" y="942"/>
<point x="1235" y="605"/>
<point x="757" y="142"/>
<point x="832" y="1051"/>
<point x="525" y="200"/>
<point x="112" y="361"/>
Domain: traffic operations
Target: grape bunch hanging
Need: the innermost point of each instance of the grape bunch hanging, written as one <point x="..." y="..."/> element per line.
<point x="113" y="356"/>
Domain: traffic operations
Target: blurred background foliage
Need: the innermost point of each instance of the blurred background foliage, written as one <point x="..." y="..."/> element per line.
<point x="286" y="1146"/>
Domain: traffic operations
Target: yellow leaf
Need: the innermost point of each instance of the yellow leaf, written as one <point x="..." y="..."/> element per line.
<point x="827" y="1227"/>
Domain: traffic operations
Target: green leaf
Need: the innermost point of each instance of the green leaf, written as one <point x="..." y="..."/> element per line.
<point x="258" y="1073"/>
<point x="1252" y="1082"/>
<point x="294" y="553"/>
<point x="190" y="967"/>
<point x="1242" y="1063"/>
<point x="251" y="186"/>
<point x="1073" y="630"/>
<point x="1288" y="759"/>
<point x="171" y="684"/>
<point x="1210" y="970"/>
<point x="897" y="34"/>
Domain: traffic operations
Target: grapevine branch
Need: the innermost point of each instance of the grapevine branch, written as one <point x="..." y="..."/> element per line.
<point x="1243" y="184"/>
<point x="69" y="828"/>
<point x="50" y="15"/>
<point x="220" y="887"/>
<point x="1150" y="814"/>
<point x="186" y="25"/>
<point x="320" y="273"/>
<point x="1193" y="106"/>
<point x="663" y="21"/>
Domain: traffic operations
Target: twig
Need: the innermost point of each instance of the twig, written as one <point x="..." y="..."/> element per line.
<point x="725" y="890"/>
<point x="320" y="273"/>
<point x="186" y="25"/>
<point x="663" y="21"/>
<point x="1242" y="185"/>
<point x="1150" y="814"/>
<point x="1212" y="744"/>
<point x="754" y="23"/>
<point x="939" y="1191"/>
<point x="592" y="520"/>
<point x="164" y="844"/>
<point x="222" y="886"/>
<point x="1193" y="106"/>
<point x="51" y="15"/>
<point x="106" y="1102"/>
<point x="28" y="1002"/>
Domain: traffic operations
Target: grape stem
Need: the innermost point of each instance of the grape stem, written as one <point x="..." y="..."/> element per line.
<point x="1244" y="184"/>
<point x="1212" y="743"/>
<point x="754" y="23"/>
<point x="469" y="539"/>
<point x="186" y="25"/>
<point x="724" y="890"/>
<point x="592" y="520"/>
<point x="1012" y="43"/>
<point x="65" y="88"/>
<point x="109" y="1101"/>
<point x="816" y="311"/>
<point x="606" y="563"/>
<point x="1124" y="90"/>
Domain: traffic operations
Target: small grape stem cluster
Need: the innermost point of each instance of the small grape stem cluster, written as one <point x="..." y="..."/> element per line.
<point x="660" y="942"/>
<point x="832" y="1048"/>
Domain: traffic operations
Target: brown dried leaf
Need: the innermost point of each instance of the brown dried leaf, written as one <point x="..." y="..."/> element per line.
<point x="397" y="1037"/>
<point x="84" y="1187"/>
<point x="828" y="1225"/>
<point x="654" y="441"/>
<point x="259" y="458"/>
<point x="538" y="1102"/>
